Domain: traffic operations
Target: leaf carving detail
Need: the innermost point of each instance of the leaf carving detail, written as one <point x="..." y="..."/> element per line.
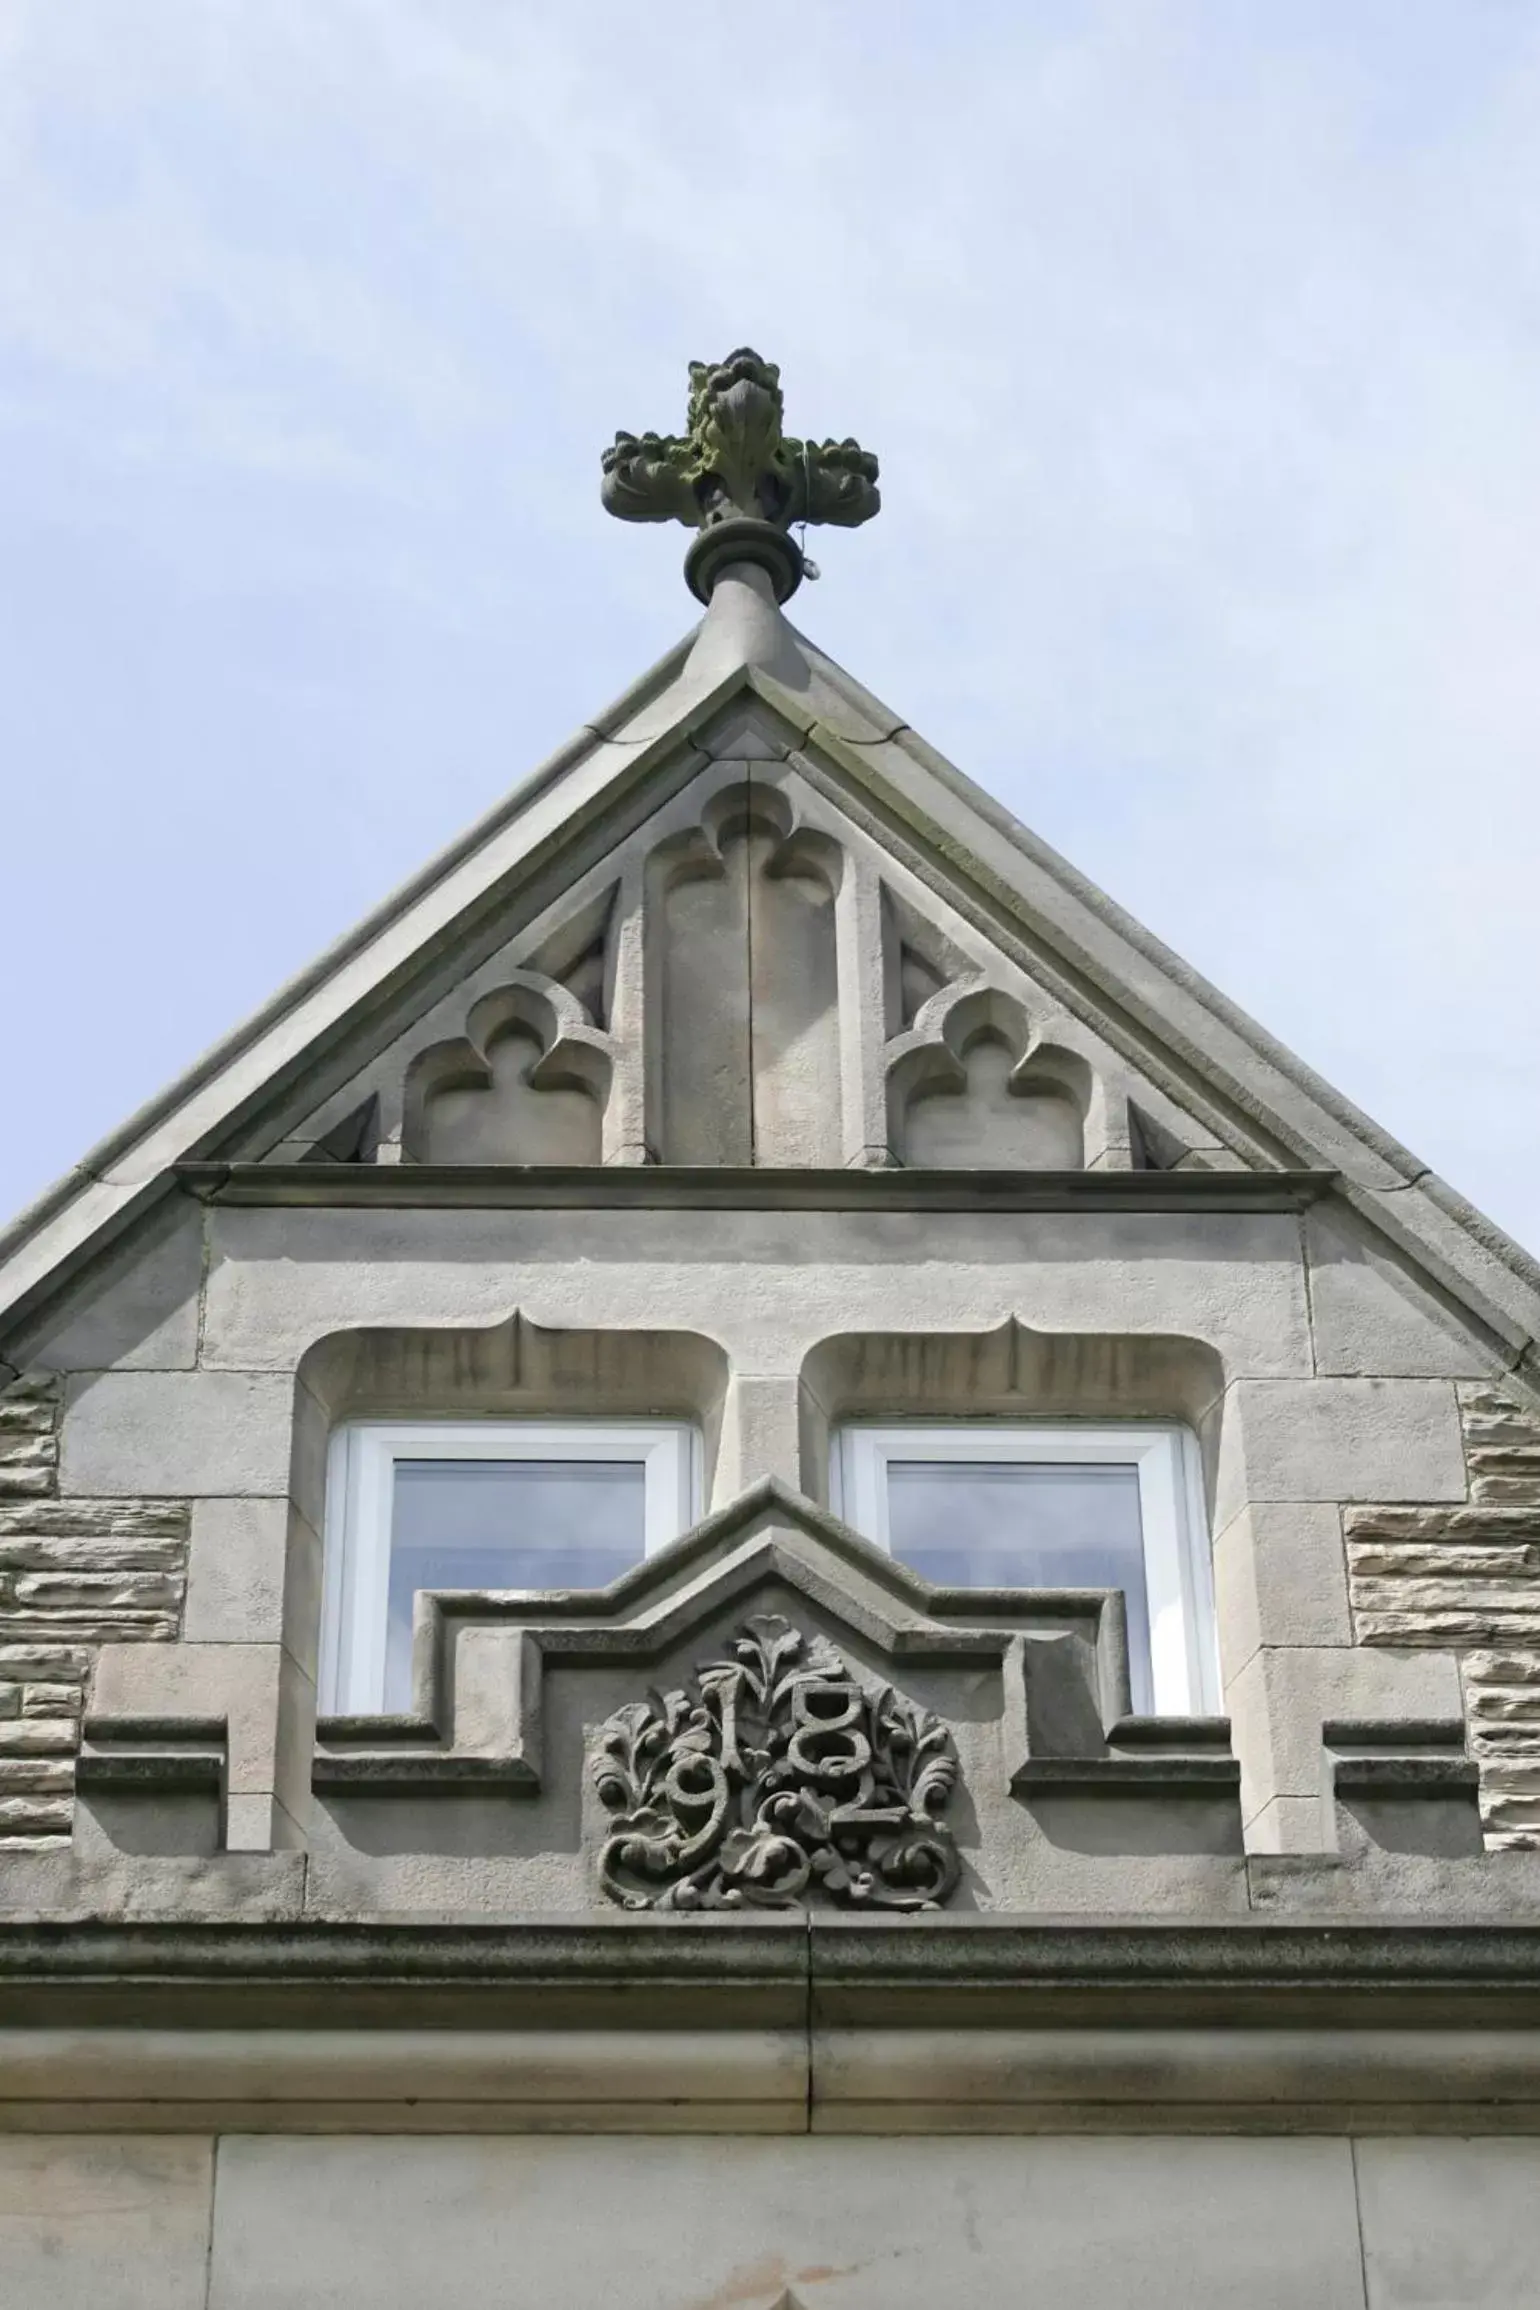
<point x="773" y="1773"/>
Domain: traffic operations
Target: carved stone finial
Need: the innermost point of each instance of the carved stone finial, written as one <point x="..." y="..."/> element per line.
<point x="736" y="478"/>
<point x="773" y="1775"/>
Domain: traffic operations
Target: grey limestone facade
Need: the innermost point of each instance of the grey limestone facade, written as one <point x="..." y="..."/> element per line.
<point x="749" y="1069"/>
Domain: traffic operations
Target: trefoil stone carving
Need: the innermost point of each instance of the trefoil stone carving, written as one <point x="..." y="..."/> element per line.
<point x="773" y="1775"/>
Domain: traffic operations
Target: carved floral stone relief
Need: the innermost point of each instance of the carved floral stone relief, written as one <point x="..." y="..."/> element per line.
<point x="773" y="1776"/>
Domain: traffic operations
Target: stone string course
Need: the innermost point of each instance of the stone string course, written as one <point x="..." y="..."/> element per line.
<point x="1467" y="1579"/>
<point x="74" y="1574"/>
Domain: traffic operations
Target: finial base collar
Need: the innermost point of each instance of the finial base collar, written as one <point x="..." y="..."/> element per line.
<point x="743" y="539"/>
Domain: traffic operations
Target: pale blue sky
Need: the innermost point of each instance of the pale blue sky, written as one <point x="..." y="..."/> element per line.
<point x="1199" y="339"/>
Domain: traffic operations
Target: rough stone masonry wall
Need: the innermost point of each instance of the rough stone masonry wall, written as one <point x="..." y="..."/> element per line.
<point x="1467" y="1579"/>
<point x="74" y="1574"/>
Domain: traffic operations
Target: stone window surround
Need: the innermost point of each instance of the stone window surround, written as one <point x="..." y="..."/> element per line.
<point x="357" y="1532"/>
<point x="755" y="1424"/>
<point x="1185" y="1664"/>
<point x="1283" y="1459"/>
<point x="751" y="1424"/>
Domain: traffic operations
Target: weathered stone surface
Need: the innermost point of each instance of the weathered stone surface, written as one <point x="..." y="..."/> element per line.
<point x="93" y="1591"/>
<point x="121" y="1520"/>
<point x="889" y="2224"/>
<point x="242" y="1683"/>
<point x="105" y="2222"/>
<point x="1409" y="1559"/>
<point x="186" y="1434"/>
<point x="1467" y="1579"/>
<point x="92" y="1627"/>
<point x="1502" y="1447"/>
<point x="47" y="1661"/>
<point x="1339" y="1440"/>
<point x="1492" y="1416"/>
<point x="94" y="1557"/>
<point x="1452" y="1630"/>
<point x="27" y="1465"/>
<point x="1506" y="1739"/>
<point x="50" y="1699"/>
<point x="1517" y="1816"/>
<point x="1279" y="1579"/>
<point x="27" y="1388"/>
<point x="1449" y="2222"/>
<point x="36" y="1792"/>
<point x="1497" y="1668"/>
<point x="34" y="1817"/>
<point x="39" y="1736"/>
<point x="1471" y="1596"/>
<point x="1372" y="1313"/>
<point x="1507" y="1480"/>
<point x="240" y="1568"/>
<point x="34" y="1773"/>
<point x="1456" y="1523"/>
<point x="1285" y="1694"/>
<point x="1503" y="1716"/>
<point x="29" y="1436"/>
<point x="135" y="1309"/>
<point x="82" y="1571"/>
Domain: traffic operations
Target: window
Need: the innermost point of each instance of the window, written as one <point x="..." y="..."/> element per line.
<point x="974" y="1505"/>
<point x="482" y="1504"/>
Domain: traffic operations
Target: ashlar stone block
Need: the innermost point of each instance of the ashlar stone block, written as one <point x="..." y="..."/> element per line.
<point x="1371" y="1315"/>
<point x="1447" y="2222"/>
<point x="760" y="1419"/>
<point x="243" y="1554"/>
<point x="136" y="1310"/>
<point x="90" y="2221"/>
<point x="1339" y="1440"/>
<point x="852" y="2224"/>
<point x="188" y="1435"/>
<point x="1280" y="1578"/>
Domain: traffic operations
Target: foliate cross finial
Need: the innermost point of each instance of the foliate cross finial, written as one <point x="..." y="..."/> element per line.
<point x="736" y="478"/>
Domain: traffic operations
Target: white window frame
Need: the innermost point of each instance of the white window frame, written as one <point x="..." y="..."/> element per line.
<point x="360" y="1492"/>
<point x="1184" y="1658"/>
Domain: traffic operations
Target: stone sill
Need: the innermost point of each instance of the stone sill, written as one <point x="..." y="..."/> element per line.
<point x="631" y="1187"/>
<point x="1130" y="1776"/>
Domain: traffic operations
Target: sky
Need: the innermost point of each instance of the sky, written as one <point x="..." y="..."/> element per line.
<point x="1199" y="341"/>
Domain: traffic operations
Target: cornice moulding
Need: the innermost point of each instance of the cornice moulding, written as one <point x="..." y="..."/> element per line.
<point x="771" y="2026"/>
<point x="700" y="1188"/>
<point x="961" y="1971"/>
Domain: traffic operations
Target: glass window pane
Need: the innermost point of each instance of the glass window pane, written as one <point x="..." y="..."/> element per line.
<point x="505" y="1524"/>
<point x="1021" y="1524"/>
